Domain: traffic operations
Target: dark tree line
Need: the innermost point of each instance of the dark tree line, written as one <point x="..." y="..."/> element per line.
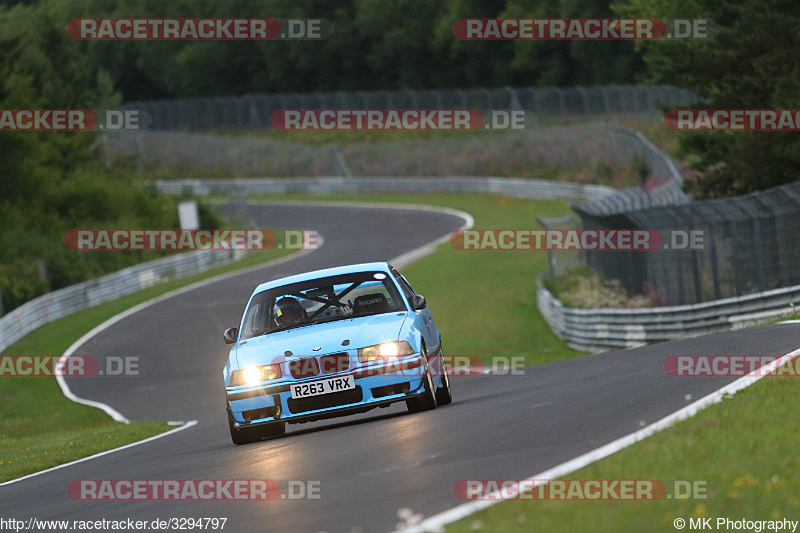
<point x="377" y="44"/>
<point x="53" y="182"/>
<point x="754" y="63"/>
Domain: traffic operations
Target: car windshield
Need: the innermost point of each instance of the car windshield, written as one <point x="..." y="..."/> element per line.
<point x="321" y="300"/>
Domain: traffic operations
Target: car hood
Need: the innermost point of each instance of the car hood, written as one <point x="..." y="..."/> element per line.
<point x="361" y="331"/>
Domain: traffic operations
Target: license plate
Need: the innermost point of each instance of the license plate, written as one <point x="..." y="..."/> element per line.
<point x="323" y="386"/>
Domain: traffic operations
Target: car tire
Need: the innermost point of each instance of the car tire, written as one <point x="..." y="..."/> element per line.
<point x="443" y="394"/>
<point x="244" y="436"/>
<point x="427" y="400"/>
<point x="272" y="430"/>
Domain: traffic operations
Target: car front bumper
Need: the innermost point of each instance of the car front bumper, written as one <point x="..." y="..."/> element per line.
<point x="377" y="384"/>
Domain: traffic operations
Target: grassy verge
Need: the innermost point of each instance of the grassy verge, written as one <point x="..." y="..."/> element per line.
<point x="790" y="315"/>
<point x="497" y="316"/>
<point x="484" y="301"/>
<point x="341" y="137"/>
<point x="583" y="287"/>
<point x="744" y="449"/>
<point x="39" y="427"/>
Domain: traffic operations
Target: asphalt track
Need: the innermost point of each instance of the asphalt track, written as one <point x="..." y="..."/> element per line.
<point x="366" y="466"/>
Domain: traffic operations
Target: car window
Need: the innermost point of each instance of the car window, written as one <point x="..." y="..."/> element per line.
<point x="404" y="285"/>
<point x="321" y="300"/>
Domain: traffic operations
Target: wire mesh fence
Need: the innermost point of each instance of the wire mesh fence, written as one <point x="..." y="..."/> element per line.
<point x="747" y="242"/>
<point x="716" y="249"/>
<point x="524" y="153"/>
<point x="253" y="111"/>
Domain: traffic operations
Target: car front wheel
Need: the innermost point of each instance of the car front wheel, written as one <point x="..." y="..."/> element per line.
<point x="427" y="400"/>
<point x="443" y="394"/>
<point x="273" y="429"/>
<point x="244" y="436"/>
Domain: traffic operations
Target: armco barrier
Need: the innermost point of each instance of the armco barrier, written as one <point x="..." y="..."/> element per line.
<point x="597" y="330"/>
<point x="44" y="309"/>
<point x="39" y="311"/>
<point x="516" y="187"/>
<point x="582" y="329"/>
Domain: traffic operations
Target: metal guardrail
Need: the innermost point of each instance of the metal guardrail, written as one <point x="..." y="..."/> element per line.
<point x="582" y="329"/>
<point x="597" y="330"/>
<point x="44" y="309"/>
<point x="54" y="305"/>
<point x="253" y="111"/>
<point x="516" y="187"/>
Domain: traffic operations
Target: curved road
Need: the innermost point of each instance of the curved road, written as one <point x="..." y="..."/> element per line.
<point x="367" y="466"/>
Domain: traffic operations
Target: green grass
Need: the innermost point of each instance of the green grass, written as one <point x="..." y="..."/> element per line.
<point x="485" y="304"/>
<point x="744" y="448"/>
<point x="790" y="315"/>
<point x="484" y="301"/>
<point x="533" y="121"/>
<point x="39" y="427"/>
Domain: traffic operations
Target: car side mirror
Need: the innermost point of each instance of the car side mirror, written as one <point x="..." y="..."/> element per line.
<point x="230" y="335"/>
<point x="418" y="302"/>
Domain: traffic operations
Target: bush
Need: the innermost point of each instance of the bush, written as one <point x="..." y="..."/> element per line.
<point x="583" y="287"/>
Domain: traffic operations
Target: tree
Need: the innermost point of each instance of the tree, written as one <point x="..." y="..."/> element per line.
<point x="751" y="64"/>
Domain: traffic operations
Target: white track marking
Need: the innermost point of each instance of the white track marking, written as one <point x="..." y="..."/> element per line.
<point x="185" y="425"/>
<point x="438" y="521"/>
<point x="113" y="413"/>
<point x="406" y="258"/>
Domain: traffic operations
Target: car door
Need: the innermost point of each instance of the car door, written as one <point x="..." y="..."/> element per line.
<point x="429" y="331"/>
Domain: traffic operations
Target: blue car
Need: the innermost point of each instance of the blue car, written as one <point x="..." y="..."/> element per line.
<point x="330" y="343"/>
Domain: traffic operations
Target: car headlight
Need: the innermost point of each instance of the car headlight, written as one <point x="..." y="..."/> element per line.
<point x="253" y="375"/>
<point x="386" y="349"/>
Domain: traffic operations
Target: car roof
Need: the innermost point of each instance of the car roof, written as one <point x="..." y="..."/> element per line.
<point x="382" y="266"/>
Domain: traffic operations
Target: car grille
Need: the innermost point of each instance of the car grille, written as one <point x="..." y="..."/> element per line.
<point x="325" y="401"/>
<point x="304" y="368"/>
<point x="335" y="362"/>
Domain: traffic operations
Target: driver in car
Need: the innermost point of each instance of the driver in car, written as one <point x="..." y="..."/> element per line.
<point x="289" y="312"/>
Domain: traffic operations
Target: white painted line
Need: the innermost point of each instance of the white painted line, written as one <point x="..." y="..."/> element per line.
<point x="407" y="258"/>
<point x="113" y="413"/>
<point x="119" y="417"/>
<point x="399" y="262"/>
<point x="438" y="521"/>
<point x="186" y="425"/>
